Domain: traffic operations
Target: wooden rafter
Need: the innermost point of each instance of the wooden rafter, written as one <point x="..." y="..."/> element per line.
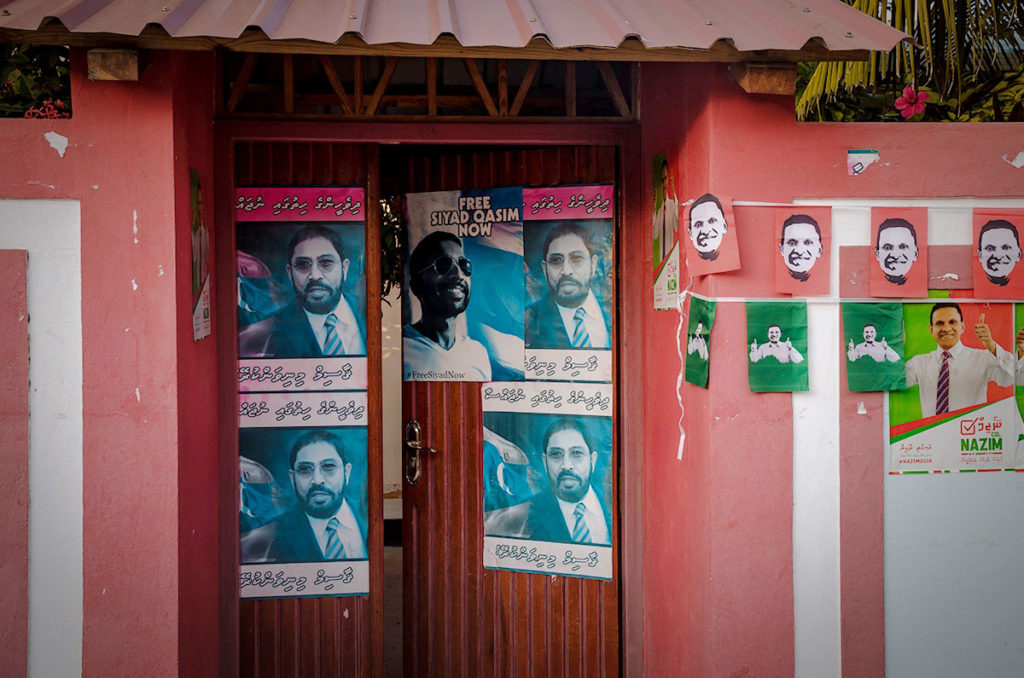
<point x="524" y="87"/>
<point x="339" y="89"/>
<point x="289" y="83"/>
<point x="612" y="83"/>
<point x="431" y="86"/>
<point x="570" y="89"/>
<point x="382" y="84"/>
<point x="502" y="87"/>
<point x="242" y="83"/>
<point x="481" y="87"/>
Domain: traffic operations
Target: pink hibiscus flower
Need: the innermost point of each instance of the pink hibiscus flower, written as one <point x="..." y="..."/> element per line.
<point x="911" y="103"/>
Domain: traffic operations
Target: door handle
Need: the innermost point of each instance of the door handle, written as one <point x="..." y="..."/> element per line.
<point x="414" y="445"/>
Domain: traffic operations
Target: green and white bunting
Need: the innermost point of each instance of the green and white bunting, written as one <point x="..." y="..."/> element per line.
<point x="873" y="343"/>
<point x="698" y="341"/>
<point x="777" y="346"/>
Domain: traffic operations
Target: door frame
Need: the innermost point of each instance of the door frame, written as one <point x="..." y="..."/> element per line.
<point x="633" y="283"/>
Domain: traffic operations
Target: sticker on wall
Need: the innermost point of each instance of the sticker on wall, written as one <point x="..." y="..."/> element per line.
<point x="569" y="282"/>
<point x="959" y="411"/>
<point x="777" y="340"/>
<point x="900" y="248"/>
<point x="301" y="285"/>
<point x="665" y="222"/>
<point x="666" y="282"/>
<point x="547" y="460"/>
<point x="303" y="512"/>
<point x="201" y="317"/>
<point x="463" y="300"/>
<point x="874" y="346"/>
<point x="997" y="254"/>
<point x="698" y="340"/>
<point x="711" y="245"/>
<point x="803" y="236"/>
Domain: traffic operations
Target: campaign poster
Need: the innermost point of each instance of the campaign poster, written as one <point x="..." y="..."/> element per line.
<point x="873" y="335"/>
<point x="463" y="298"/>
<point x="548" y="468"/>
<point x="711" y="243"/>
<point x="803" y="237"/>
<point x="301" y="274"/>
<point x="958" y="412"/>
<point x="997" y="253"/>
<point x="568" y="248"/>
<point x="899" y="237"/>
<point x="665" y="220"/>
<point x="698" y="340"/>
<point x="777" y="340"/>
<point x="303" y="512"/>
<point x="201" y="319"/>
<point x="666" y="282"/>
<point x="1018" y="322"/>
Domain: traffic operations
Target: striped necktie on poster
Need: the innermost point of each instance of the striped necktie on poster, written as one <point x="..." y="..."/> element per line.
<point x="942" y="388"/>
<point x="580" y="531"/>
<point x="332" y="342"/>
<point x="334" y="549"/>
<point x="580" y="336"/>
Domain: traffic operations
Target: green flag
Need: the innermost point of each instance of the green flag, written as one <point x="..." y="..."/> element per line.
<point x="873" y="343"/>
<point x="698" y="341"/>
<point x="777" y="346"/>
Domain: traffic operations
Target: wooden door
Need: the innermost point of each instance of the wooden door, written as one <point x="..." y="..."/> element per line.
<point x="341" y="636"/>
<point x="460" y="619"/>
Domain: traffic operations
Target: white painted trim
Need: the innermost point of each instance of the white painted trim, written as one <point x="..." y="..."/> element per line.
<point x="50" y="231"/>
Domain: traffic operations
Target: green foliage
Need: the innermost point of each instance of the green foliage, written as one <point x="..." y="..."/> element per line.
<point x="390" y="245"/>
<point x="968" y="55"/>
<point x="34" y="81"/>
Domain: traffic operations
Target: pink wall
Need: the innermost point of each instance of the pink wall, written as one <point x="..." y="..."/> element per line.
<point x="14" y="462"/>
<point x="135" y="412"/>
<point x="719" y="598"/>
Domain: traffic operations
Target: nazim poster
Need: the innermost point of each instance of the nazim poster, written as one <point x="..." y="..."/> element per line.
<point x="569" y="282"/>
<point x="548" y="467"/>
<point x="463" y="298"/>
<point x="958" y="412"/>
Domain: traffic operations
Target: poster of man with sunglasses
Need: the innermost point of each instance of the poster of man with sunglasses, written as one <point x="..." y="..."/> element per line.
<point x="463" y="311"/>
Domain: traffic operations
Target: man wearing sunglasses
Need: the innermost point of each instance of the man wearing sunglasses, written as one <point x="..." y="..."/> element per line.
<point x="436" y="347"/>
<point x="324" y="320"/>
<point x="322" y="525"/>
<point x="569" y="316"/>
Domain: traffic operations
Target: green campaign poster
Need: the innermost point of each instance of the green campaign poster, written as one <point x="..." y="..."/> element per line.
<point x="698" y="340"/>
<point x="777" y="337"/>
<point x="873" y="338"/>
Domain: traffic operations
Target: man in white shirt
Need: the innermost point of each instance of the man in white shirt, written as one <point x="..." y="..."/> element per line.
<point x="879" y="351"/>
<point x="323" y="320"/>
<point x="666" y="216"/>
<point x="963" y="382"/>
<point x="322" y="526"/>
<point x="697" y="344"/>
<point x="782" y="351"/>
<point x="571" y="511"/>
<point x="569" y="316"/>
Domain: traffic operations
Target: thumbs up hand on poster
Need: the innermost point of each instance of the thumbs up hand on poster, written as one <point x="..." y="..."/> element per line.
<point x="984" y="334"/>
<point x="1020" y="343"/>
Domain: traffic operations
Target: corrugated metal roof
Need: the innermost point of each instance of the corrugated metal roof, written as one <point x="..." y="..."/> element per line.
<point x="688" y="24"/>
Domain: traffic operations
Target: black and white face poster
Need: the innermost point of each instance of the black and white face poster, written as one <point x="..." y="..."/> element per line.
<point x="547" y="460"/>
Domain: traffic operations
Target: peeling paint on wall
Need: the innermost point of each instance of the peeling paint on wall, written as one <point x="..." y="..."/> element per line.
<point x="135" y="226"/>
<point x="1017" y="162"/>
<point x="58" y="142"/>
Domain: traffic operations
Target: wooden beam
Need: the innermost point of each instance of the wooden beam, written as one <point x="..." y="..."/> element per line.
<point x="113" y="64"/>
<point x="524" y="87"/>
<point x="238" y="89"/>
<point x="481" y="87"/>
<point x="382" y="84"/>
<point x="502" y="87"/>
<point x="570" y="89"/>
<point x="357" y="83"/>
<point x="288" y="68"/>
<point x="446" y="46"/>
<point x="765" y="78"/>
<point x="431" y="86"/>
<point x="339" y="89"/>
<point x="612" y="83"/>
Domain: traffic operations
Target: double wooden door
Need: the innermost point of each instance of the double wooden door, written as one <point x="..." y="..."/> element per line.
<point x="459" y="618"/>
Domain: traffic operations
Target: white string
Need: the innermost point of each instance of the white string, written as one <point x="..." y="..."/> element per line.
<point x="679" y="351"/>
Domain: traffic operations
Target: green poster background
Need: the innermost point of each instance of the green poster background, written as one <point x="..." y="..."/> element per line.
<point x="865" y="373"/>
<point x="702" y="311"/>
<point x="769" y="375"/>
<point x="905" y="405"/>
